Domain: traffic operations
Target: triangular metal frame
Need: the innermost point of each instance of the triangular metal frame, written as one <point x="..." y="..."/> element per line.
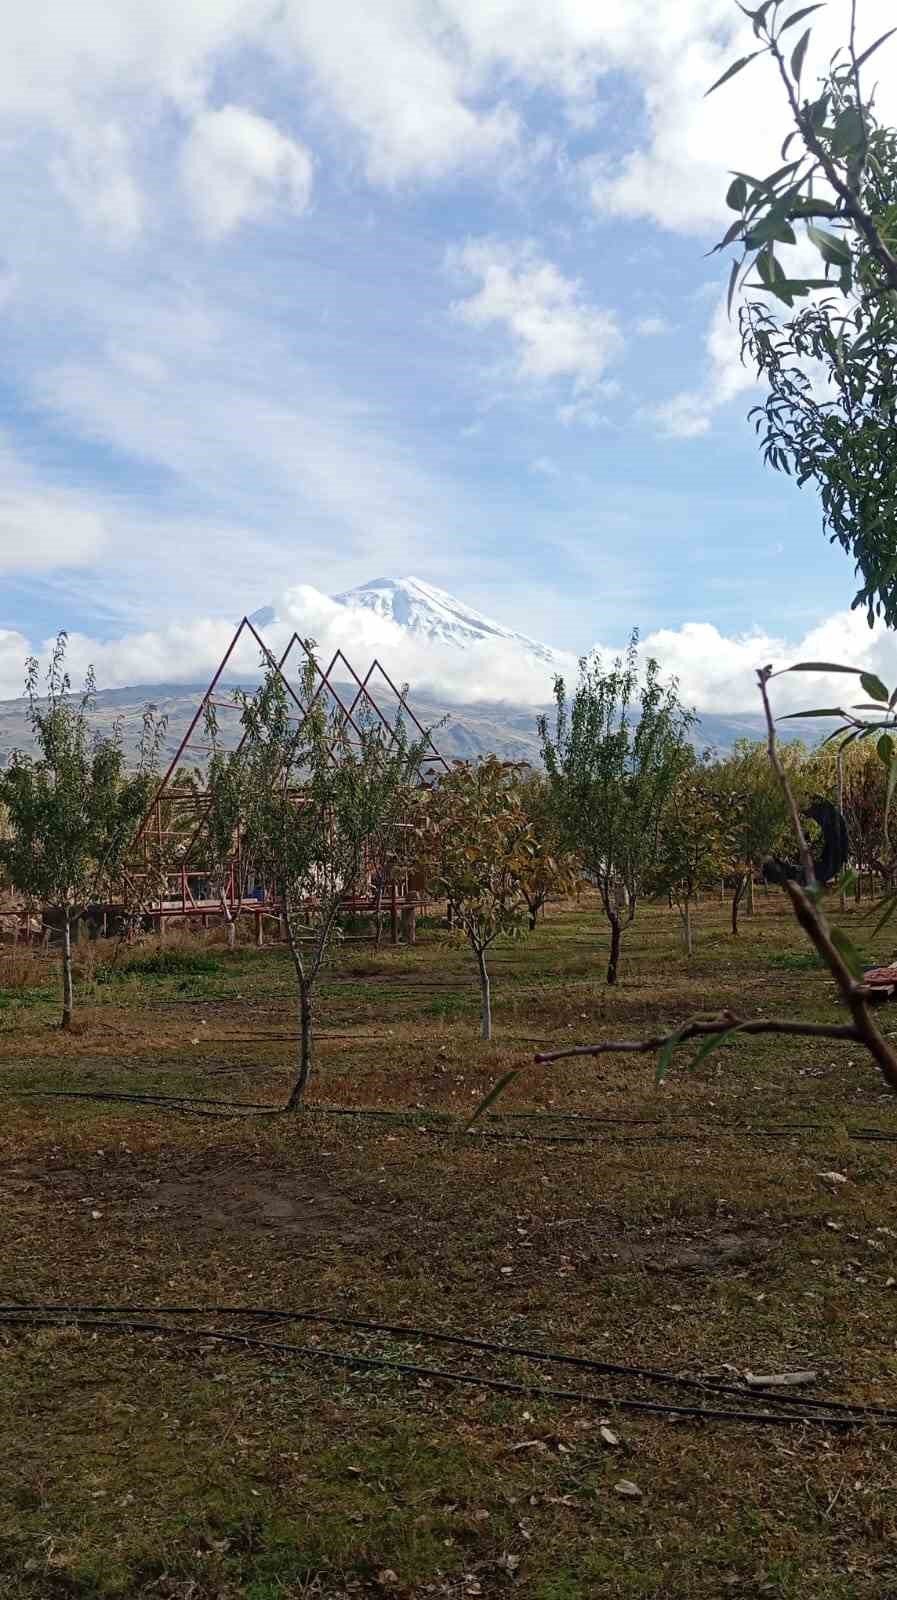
<point x="151" y="823"/>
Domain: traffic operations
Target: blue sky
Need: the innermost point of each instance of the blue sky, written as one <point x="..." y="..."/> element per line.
<point x="299" y="294"/>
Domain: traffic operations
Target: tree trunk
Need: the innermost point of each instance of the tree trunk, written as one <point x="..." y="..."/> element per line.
<point x="67" y="995"/>
<point x="231" y="933"/>
<point x="616" y="935"/>
<point x="485" y="996"/>
<point x="632" y="906"/>
<point x="750" y="890"/>
<point x="378" y="919"/>
<point x="533" y="906"/>
<point x="686" y="922"/>
<point x="736" y="901"/>
<point x="304" y="1066"/>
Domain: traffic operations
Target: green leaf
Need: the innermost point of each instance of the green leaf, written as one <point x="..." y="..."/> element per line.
<point x="847" y="881"/>
<point x="733" y="279"/>
<point x="666" y="1054"/>
<point x="771" y="230"/>
<point x="890" y="906"/>
<point x="497" y="1089"/>
<point x="813" y="206"/>
<point x="830" y="246"/>
<point x="874" y="687"/>
<point x="848" y="952"/>
<point x="798" y="16"/>
<point x="798" y="53"/>
<point x="850" y="131"/>
<point x="871" y="49"/>
<point x="819" y="666"/>
<point x="826" y="712"/>
<point x="736" y="195"/>
<point x="713" y="1043"/>
<point x="889" y="796"/>
<point x="731" y="71"/>
<point x="885" y="748"/>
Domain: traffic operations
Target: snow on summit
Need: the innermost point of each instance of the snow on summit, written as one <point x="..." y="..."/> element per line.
<point x="423" y="635"/>
<point x="426" y="611"/>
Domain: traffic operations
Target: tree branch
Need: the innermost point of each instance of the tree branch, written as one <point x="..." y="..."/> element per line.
<point x="861" y="218"/>
<point x="806" y="856"/>
<point x="706" y="1027"/>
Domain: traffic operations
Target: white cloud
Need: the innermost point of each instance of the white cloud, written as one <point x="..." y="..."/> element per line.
<point x="554" y="330"/>
<point x="43" y="528"/>
<point x="651" y="327"/>
<point x="405" y="77"/>
<point x="431" y="89"/>
<point x="689" y="414"/>
<point x="237" y="167"/>
<point x="676" y="175"/>
<point x="14" y="649"/>
<point x="94" y="176"/>
<point x="716" y="671"/>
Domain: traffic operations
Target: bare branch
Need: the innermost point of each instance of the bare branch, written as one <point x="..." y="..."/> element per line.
<point x="806" y="855"/>
<point x="706" y="1027"/>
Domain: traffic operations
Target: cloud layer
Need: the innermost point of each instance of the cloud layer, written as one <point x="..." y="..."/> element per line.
<point x="715" y="672"/>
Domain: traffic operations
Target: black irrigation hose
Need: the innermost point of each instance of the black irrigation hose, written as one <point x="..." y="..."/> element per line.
<point x="438" y="1122"/>
<point x="188" y="1105"/>
<point x="445" y="1375"/>
<point x="415" y="1335"/>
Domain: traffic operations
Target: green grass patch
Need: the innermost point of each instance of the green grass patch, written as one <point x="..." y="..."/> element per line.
<point x="174" y="963"/>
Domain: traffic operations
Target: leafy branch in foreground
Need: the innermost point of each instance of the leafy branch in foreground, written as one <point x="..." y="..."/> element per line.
<point x="831" y="411"/>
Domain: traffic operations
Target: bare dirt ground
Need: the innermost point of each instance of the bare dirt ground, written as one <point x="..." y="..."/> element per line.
<point x="739" y="1220"/>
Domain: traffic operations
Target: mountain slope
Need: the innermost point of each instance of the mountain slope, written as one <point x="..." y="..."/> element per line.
<point x="430" y="613"/>
<point x="469" y="731"/>
<point x="428" y="616"/>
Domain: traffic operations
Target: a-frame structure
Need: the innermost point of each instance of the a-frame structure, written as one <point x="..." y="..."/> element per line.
<point x="165" y="877"/>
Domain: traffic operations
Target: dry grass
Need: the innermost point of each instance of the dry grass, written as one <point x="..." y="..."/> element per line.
<point x="683" y="1232"/>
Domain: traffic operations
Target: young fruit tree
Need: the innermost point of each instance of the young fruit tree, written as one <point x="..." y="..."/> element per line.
<point x="691" y="849"/>
<point x="616" y="752"/>
<point x="219" y="848"/>
<point x="475" y="844"/>
<point x="307" y="793"/>
<point x="549" y="868"/>
<point x="72" y="808"/>
<point x="753" y="815"/>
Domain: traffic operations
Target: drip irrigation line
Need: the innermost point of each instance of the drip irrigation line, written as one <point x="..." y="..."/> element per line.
<point x="446" y="1123"/>
<point x="365" y="1363"/>
<point x="189" y="1105"/>
<point x="416" y="1335"/>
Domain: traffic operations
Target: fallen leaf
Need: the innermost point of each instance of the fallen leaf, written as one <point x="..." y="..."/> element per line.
<point x="832" y="1177"/>
<point x="609" y="1436"/>
<point x="628" y="1489"/>
<point x="778" y="1380"/>
<point x="508" y="1562"/>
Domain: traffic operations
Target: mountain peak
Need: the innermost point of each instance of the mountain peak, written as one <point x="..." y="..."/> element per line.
<point x="431" y="613"/>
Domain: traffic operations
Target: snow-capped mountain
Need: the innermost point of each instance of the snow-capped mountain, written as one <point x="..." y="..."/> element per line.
<point x="432" y="614"/>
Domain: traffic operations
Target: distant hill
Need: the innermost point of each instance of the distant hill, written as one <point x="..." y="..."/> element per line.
<point x="426" y="616"/>
<point x="469" y="731"/>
